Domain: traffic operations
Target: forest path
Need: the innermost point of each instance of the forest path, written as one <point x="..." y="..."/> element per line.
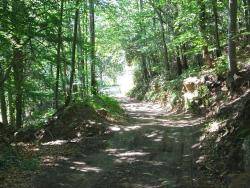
<point x="152" y="150"/>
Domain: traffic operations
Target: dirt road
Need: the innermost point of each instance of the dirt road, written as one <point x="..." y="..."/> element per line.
<point x="152" y="150"/>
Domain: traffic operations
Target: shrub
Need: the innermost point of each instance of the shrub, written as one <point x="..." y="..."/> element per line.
<point x="221" y="66"/>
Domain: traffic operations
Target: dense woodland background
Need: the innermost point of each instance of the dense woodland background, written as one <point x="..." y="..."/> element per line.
<point x="56" y="53"/>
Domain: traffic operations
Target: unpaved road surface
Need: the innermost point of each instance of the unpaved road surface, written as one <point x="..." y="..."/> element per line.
<point x="152" y="150"/>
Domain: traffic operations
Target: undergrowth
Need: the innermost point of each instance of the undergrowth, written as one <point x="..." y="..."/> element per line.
<point x="169" y="91"/>
<point x="11" y="157"/>
<point x="111" y="105"/>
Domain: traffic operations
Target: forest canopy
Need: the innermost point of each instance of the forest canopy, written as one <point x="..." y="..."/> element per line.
<point x="56" y="52"/>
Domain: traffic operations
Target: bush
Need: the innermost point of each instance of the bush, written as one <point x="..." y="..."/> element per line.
<point x="9" y="157"/>
<point x="221" y="66"/>
<point x="204" y="95"/>
<point x="111" y="105"/>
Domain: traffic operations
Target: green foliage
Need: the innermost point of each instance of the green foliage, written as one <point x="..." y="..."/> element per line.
<point x="38" y="118"/>
<point x="9" y="158"/>
<point x="194" y="107"/>
<point x="141" y="87"/>
<point x="204" y="95"/>
<point x="221" y="66"/>
<point x="111" y="105"/>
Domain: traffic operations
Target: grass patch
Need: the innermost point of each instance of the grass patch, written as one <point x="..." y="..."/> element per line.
<point x="111" y="105"/>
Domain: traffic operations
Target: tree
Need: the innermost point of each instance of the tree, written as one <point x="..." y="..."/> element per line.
<point x="232" y="33"/>
<point x="203" y="30"/>
<point x="164" y="44"/>
<point x="216" y="28"/>
<point x="92" y="44"/>
<point x="3" y="98"/>
<point x="58" y="56"/>
<point x="73" y="57"/>
<point x="246" y="4"/>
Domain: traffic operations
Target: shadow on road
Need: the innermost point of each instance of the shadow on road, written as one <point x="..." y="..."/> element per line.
<point x="153" y="149"/>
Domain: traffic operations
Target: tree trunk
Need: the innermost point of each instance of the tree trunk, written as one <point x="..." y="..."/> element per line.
<point x="3" y="99"/>
<point x="145" y="69"/>
<point x="203" y="30"/>
<point x="10" y="104"/>
<point x="18" y="82"/>
<point x="143" y="58"/>
<point x="58" y="57"/>
<point x="178" y="62"/>
<point x="73" y="57"/>
<point x="163" y="37"/>
<point x="164" y="44"/>
<point x="184" y="57"/>
<point x="92" y="43"/>
<point x="81" y="61"/>
<point x="216" y="28"/>
<point x="231" y="43"/>
<point x="64" y="76"/>
<point x="247" y="18"/>
<point x="85" y="36"/>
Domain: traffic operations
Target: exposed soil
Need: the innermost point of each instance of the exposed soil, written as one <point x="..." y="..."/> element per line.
<point x="154" y="149"/>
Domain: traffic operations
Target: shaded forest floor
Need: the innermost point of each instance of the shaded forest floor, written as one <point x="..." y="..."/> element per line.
<point x="152" y="149"/>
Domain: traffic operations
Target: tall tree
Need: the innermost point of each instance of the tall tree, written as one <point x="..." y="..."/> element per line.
<point x="3" y="75"/>
<point x="203" y="31"/>
<point x="92" y="43"/>
<point x="19" y="24"/>
<point x="58" y="56"/>
<point x="143" y="58"/>
<point x="163" y="36"/>
<point x="73" y="56"/>
<point x="232" y="32"/>
<point x="3" y="98"/>
<point x="216" y="28"/>
<point x="247" y="18"/>
<point x="18" y="68"/>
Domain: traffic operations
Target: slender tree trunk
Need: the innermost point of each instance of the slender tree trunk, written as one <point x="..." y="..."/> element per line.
<point x="202" y="25"/>
<point x="184" y="57"/>
<point x="18" y="62"/>
<point x="178" y="62"/>
<point x="164" y="44"/>
<point x="73" y="57"/>
<point x="145" y="69"/>
<point x="247" y="18"/>
<point x="216" y="28"/>
<point x="3" y="99"/>
<point x="81" y="61"/>
<point x="3" y="107"/>
<point x="85" y="36"/>
<point x="58" y="58"/>
<point x="10" y="105"/>
<point x="2" y="72"/>
<point x="232" y="31"/>
<point x="149" y="63"/>
<point x="92" y="42"/>
<point x="64" y="74"/>
<point x="18" y="82"/>
<point x="142" y="55"/>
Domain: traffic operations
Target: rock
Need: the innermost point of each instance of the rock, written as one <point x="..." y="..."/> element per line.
<point x="191" y="84"/>
<point x="190" y="89"/>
